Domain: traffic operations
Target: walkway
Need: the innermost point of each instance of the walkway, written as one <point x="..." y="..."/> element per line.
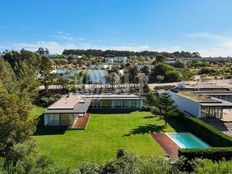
<point x="167" y="144"/>
<point x="81" y="122"/>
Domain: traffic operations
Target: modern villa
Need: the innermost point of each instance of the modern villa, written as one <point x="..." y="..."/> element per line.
<point x="67" y="111"/>
<point x="203" y="103"/>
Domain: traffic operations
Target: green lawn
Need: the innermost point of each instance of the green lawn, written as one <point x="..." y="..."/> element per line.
<point x="106" y="133"/>
<point x="37" y="111"/>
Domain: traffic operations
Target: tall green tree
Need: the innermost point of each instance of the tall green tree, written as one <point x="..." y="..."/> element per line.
<point x="160" y="59"/>
<point x="45" y="70"/>
<point x="142" y="80"/>
<point x="16" y="124"/>
<point x="165" y="107"/>
<point x="132" y="71"/>
<point x="25" y="66"/>
<point x="146" y="70"/>
<point x="112" y="79"/>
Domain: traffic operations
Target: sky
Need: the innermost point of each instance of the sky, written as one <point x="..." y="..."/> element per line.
<point x="160" y="25"/>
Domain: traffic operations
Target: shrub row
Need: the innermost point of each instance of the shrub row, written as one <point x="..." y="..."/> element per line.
<point x="206" y="132"/>
<point x="215" y="153"/>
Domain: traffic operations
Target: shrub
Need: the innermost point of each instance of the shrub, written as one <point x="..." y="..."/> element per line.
<point x="172" y="76"/>
<point x="215" y="153"/>
<point x="89" y="168"/>
<point x="206" y="132"/>
<point x="146" y="108"/>
<point x="207" y="70"/>
<point x="156" y="165"/>
<point x="214" y="167"/>
<point x="24" y="158"/>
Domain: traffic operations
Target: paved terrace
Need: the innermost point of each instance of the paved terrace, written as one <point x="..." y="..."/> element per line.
<point x="81" y="122"/>
<point x="167" y="144"/>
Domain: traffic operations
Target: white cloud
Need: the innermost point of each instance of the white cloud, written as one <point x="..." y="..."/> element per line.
<point x="170" y="49"/>
<point x="63" y="36"/>
<point x="215" y="45"/>
<point x="58" y="47"/>
<point x="116" y="47"/>
<point x="53" y="47"/>
<point x="205" y="35"/>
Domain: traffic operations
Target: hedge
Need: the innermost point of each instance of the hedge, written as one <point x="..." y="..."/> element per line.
<point x="215" y="153"/>
<point x="206" y="132"/>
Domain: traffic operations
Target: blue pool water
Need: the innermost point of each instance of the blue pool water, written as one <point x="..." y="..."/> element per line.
<point x="187" y="140"/>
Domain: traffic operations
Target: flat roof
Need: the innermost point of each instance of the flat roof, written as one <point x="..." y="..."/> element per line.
<point x="204" y="98"/>
<point x="198" y="97"/>
<point x="220" y="102"/>
<point x="112" y="96"/>
<point x="66" y="102"/>
<point x="215" y="93"/>
<point x="79" y="103"/>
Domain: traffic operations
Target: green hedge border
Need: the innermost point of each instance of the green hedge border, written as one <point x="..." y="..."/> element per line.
<point x="215" y="153"/>
<point x="219" y="141"/>
<point x="206" y="132"/>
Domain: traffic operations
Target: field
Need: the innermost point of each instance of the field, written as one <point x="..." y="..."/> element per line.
<point x="106" y="133"/>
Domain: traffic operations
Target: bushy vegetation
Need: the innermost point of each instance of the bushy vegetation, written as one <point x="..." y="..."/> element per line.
<point x="18" y="87"/>
<point x="214" y="167"/>
<point x="129" y="163"/>
<point x="165" y="73"/>
<point x="24" y="158"/>
<point x="206" y="70"/>
<point x="46" y="98"/>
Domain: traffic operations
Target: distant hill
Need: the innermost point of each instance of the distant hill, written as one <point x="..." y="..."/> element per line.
<point x="112" y="53"/>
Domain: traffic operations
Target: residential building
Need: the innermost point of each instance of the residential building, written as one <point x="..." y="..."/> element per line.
<point x="94" y="76"/>
<point x="170" y="60"/>
<point x="112" y="60"/>
<point x="202" y="103"/>
<point x="67" y="110"/>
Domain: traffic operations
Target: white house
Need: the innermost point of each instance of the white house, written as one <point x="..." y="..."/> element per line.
<point x="201" y="104"/>
<point x="111" y="60"/>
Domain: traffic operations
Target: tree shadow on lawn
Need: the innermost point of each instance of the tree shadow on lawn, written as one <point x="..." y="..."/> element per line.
<point x="148" y="128"/>
<point x="50" y="131"/>
<point x="42" y="130"/>
<point x="150" y="116"/>
<point x="177" y="126"/>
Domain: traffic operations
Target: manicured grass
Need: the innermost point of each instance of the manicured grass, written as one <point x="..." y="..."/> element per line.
<point x="106" y="133"/>
<point x="37" y="111"/>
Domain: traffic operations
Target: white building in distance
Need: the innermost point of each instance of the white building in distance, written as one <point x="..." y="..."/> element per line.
<point x="112" y="60"/>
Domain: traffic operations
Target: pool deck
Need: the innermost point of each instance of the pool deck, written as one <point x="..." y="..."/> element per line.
<point x="167" y="144"/>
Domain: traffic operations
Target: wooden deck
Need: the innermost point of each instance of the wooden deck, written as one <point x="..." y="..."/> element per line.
<point x="81" y="122"/>
<point x="167" y="144"/>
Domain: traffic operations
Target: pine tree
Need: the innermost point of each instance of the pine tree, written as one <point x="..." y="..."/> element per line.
<point x="16" y="95"/>
<point x="165" y="107"/>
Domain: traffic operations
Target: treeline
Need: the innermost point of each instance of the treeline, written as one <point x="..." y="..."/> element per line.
<point x="19" y="87"/>
<point x="112" y="53"/>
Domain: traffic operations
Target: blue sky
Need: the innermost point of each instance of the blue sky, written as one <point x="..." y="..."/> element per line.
<point x="162" y="25"/>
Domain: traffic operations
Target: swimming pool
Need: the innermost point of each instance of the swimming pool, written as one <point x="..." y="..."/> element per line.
<point x="187" y="140"/>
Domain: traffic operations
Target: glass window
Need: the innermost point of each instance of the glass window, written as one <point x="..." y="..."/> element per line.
<point x="117" y="103"/>
<point x="106" y="104"/>
<point x="53" y="119"/>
